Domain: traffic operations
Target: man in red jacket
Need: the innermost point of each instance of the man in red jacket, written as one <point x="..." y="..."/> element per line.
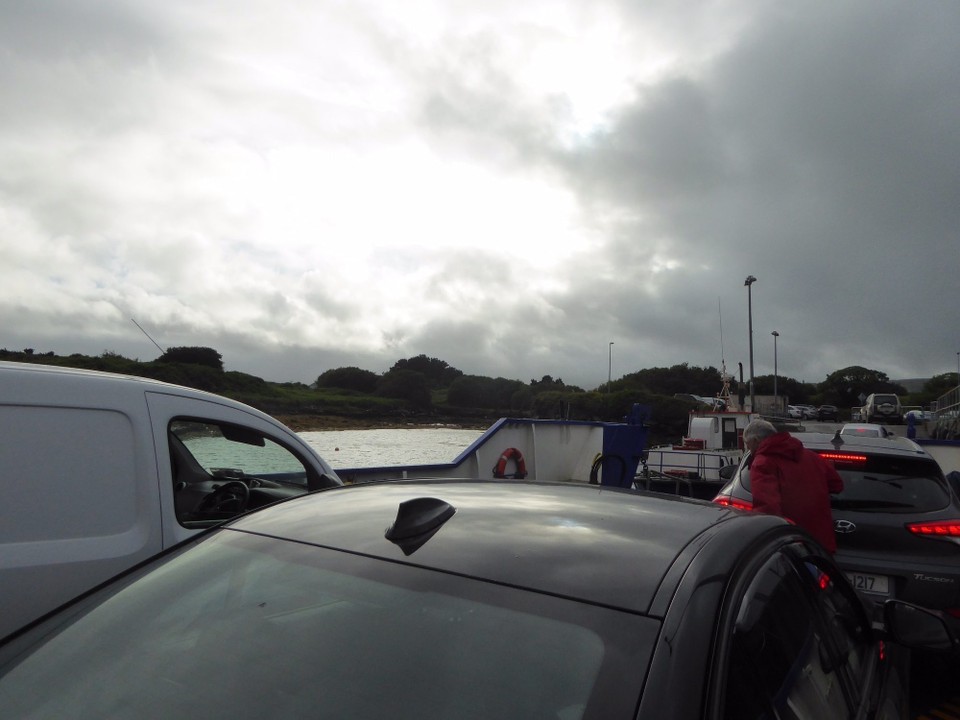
<point x="787" y="479"/>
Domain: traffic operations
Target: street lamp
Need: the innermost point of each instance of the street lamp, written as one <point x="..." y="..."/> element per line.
<point x="609" y="364"/>
<point x="776" y="398"/>
<point x="749" y="282"/>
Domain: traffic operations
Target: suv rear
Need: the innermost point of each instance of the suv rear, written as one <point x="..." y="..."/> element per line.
<point x="897" y="522"/>
<point x="882" y="407"/>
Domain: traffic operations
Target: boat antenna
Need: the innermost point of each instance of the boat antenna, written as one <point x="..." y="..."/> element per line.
<point x="148" y="336"/>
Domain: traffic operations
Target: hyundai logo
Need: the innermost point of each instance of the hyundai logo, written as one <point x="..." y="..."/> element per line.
<point x="844" y="526"/>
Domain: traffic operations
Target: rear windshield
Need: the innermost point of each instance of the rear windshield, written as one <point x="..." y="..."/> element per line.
<point x="884" y="484"/>
<point x="890" y="484"/>
<point x="880" y="399"/>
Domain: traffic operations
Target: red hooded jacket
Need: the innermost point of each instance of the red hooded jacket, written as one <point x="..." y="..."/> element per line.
<point x="787" y="479"/>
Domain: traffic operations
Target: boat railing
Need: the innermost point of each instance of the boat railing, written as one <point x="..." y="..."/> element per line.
<point x="946" y="422"/>
<point x="683" y="472"/>
<point x="681" y="462"/>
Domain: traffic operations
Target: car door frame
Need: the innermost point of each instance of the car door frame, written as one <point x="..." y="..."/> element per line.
<point x="862" y="693"/>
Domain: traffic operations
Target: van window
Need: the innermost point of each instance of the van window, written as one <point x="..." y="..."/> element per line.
<point x="66" y="473"/>
<point x="224" y="451"/>
<point x="221" y="470"/>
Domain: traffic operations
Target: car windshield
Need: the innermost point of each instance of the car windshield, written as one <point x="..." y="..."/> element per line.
<point x="245" y="626"/>
<point x="877" y="483"/>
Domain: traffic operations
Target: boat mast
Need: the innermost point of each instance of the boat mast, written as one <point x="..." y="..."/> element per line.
<point x="725" y="377"/>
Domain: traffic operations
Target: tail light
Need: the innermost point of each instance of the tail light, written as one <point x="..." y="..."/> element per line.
<point x="938" y="529"/>
<point x="728" y="501"/>
<point x="954" y="612"/>
<point x="844" y="457"/>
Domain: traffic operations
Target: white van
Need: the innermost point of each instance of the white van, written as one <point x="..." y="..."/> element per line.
<point x="100" y="471"/>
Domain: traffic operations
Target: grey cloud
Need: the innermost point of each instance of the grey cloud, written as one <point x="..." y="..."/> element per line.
<point x="811" y="145"/>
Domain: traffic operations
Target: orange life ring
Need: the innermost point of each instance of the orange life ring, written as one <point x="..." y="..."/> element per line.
<point x="500" y="471"/>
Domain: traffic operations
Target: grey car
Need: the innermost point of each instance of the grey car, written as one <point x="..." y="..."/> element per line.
<point x="828" y="412"/>
<point x="897" y="520"/>
<point x="475" y="600"/>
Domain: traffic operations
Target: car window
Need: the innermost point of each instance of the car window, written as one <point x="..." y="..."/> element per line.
<point x="782" y="660"/>
<point x="216" y="466"/>
<point x="224" y="451"/>
<point x="847" y="628"/>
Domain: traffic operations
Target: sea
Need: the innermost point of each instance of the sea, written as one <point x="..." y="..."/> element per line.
<point x="386" y="447"/>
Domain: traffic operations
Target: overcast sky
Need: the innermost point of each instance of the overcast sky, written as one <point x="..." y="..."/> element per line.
<point x="507" y="186"/>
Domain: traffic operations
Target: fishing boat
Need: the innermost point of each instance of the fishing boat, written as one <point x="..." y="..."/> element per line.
<point x="695" y="465"/>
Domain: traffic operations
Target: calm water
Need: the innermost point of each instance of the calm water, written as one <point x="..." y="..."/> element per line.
<point x="377" y="448"/>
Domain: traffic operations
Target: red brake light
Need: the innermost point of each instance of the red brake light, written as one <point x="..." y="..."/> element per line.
<point x="941" y="528"/>
<point x="728" y="501"/>
<point x="844" y="457"/>
<point x="882" y="650"/>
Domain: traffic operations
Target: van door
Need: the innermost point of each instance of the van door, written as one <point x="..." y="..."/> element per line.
<point x="78" y="500"/>
<point x="218" y="459"/>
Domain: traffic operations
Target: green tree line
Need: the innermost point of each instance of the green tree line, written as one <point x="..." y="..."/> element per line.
<point x="425" y="388"/>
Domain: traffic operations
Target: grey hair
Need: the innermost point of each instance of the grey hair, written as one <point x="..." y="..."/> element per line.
<point x="758" y="429"/>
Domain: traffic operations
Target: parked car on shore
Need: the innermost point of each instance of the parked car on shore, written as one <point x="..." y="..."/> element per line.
<point x="807" y="412"/>
<point x="865" y="430"/>
<point x="897" y="522"/>
<point x="882" y="407"/>
<point x="311" y="609"/>
<point x="828" y="412"/>
<point x="918" y="416"/>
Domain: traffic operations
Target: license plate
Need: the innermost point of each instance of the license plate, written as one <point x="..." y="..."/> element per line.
<point x="876" y="584"/>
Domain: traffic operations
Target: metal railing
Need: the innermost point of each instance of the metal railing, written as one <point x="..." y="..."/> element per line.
<point x="946" y="424"/>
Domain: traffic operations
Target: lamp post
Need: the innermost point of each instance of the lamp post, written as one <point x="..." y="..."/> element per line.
<point x="749" y="282"/>
<point x="776" y="397"/>
<point x="958" y="369"/>
<point x="609" y="364"/>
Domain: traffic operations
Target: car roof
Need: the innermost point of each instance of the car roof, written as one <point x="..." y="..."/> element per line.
<point x="613" y="547"/>
<point x="889" y="445"/>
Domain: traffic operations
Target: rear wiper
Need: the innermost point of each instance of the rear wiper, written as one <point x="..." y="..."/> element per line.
<point x="866" y="504"/>
<point x="885" y="481"/>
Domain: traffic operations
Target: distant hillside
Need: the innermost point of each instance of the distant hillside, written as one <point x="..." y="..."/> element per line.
<point x="913" y="385"/>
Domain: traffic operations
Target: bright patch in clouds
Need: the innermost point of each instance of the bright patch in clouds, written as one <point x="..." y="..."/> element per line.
<point x="349" y="206"/>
